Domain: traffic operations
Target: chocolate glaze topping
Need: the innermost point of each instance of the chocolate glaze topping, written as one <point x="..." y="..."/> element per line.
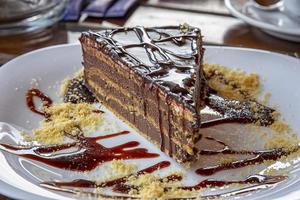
<point x="167" y="56"/>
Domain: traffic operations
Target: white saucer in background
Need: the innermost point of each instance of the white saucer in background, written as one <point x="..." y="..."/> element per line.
<point x="275" y="22"/>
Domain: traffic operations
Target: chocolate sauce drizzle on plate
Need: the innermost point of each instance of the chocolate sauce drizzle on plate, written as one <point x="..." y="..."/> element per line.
<point x="257" y="157"/>
<point x="87" y="155"/>
<point x="117" y="184"/>
<point x="46" y="101"/>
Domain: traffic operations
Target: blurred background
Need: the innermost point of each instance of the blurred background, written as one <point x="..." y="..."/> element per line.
<point x="26" y="25"/>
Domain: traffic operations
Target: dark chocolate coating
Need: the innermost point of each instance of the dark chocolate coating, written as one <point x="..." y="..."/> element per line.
<point x="77" y="92"/>
<point x="168" y="56"/>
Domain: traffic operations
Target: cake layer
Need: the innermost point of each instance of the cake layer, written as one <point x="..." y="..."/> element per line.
<point x="141" y="124"/>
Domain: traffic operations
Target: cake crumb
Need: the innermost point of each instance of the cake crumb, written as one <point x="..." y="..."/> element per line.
<point x="119" y="168"/>
<point x="286" y="141"/>
<point x="266" y="98"/>
<point x="64" y="86"/>
<point x="26" y="137"/>
<point x="75" y="90"/>
<point x="66" y="82"/>
<point x="227" y="159"/>
<point x="66" y="118"/>
<point x="280" y="127"/>
<point x="275" y="172"/>
<point x="149" y="186"/>
<point x="230" y="83"/>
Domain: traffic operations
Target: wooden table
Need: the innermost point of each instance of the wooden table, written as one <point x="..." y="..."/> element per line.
<point x="217" y="25"/>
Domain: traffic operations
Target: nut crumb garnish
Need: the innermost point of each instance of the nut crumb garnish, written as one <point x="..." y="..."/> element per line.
<point x="156" y="187"/>
<point x="66" y="118"/>
<point x="231" y="83"/>
<point x="119" y="168"/>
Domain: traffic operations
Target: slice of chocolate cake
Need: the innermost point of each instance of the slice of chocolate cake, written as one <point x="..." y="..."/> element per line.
<point x="146" y="77"/>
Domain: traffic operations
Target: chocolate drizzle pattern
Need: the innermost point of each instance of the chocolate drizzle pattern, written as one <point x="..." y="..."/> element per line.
<point x="158" y="62"/>
<point x="117" y="184"/>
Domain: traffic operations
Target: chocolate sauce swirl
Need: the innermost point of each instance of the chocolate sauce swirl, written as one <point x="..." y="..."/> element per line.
<point x="87" y="155"/>
<point x="46" y="101"/>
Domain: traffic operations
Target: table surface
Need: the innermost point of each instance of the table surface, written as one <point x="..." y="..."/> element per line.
<point x="217" y="25"/>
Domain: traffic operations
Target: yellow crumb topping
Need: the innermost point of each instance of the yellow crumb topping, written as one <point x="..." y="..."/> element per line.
<point x="79" y="73"/>
<point x="230" y="83"/>
<point x="27" y="137"/>
<point x="280" y="127"/>
<point x="275" y="172"/>
<point x="119" y="168"/>
<point x="227" y="159"/>
<point x="64" y="86"/>
<point x="155" y="187"/>
<point x="142" y="180"/>
<point x="66" y="118"/>
<point x="266" y="98"/>
<point x="286" y="141"/>
<point x="66" y="82"/>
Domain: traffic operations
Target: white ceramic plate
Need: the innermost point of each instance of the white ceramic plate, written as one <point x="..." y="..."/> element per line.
<point x="19" y="177"/>
<point x="275" y="23"/>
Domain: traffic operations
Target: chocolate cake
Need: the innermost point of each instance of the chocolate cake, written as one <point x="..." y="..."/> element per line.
<point x="145" y="75"/>
<point x="153" y="79"/>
